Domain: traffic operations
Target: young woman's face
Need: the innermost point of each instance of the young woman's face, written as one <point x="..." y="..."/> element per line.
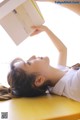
<point x="33" y="64"/>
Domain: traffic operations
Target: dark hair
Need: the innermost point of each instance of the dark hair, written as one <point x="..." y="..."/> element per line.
<point x="22" y="84"/>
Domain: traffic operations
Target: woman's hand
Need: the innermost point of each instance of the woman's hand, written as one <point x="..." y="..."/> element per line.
<point x="56" y="41"/>
<point x="38" y="29"/>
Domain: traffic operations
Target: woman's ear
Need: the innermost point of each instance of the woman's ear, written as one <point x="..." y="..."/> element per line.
<point x="39" y="80"/>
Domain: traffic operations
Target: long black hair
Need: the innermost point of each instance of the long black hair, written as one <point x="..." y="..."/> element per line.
<point x="22" y="84"/>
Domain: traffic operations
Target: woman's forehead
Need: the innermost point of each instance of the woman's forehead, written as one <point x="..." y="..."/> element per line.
<point x="18" y="62"/>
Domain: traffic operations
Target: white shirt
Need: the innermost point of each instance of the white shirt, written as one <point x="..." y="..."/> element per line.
<point x="68" y="85"/>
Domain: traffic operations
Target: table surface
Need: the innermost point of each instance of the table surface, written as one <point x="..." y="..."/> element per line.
<point x="41" y="108"/>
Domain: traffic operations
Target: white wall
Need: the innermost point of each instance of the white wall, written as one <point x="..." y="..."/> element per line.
<point x="63" y="22"/>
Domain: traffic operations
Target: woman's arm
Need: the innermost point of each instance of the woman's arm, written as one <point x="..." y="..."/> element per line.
<point x="58" y="44"/>
<point x="74" y="7"/>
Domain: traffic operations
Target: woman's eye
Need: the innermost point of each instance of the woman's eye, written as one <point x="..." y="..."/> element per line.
<point x="41" y="57"/>
<point x="28" y="63"/>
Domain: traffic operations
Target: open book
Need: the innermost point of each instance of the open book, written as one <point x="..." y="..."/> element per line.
<point x="17" y="17"/>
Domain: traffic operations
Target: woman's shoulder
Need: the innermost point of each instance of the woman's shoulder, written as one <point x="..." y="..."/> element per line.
<point x="63" y="68"/>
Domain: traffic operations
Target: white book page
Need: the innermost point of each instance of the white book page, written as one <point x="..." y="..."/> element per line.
<point x="8" y="5"/>
<point x="14" y="28"/>
<point x="18" y="23"/>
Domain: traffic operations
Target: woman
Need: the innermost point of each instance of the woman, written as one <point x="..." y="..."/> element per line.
<point x="36" y="76"/>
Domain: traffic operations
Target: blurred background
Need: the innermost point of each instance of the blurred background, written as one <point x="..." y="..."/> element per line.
<point x="62" y="21"/>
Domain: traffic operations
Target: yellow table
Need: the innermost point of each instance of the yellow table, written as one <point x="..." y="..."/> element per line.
<point x="41" y="108"/>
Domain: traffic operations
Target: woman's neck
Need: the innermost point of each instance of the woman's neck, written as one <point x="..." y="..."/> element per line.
<point x="54" y="75"/>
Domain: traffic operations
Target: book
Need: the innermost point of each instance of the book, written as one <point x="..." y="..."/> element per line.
<point x="6" y="6"/>
<point x="18" y="19"/>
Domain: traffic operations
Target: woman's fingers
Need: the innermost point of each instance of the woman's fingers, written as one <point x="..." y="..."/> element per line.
<point x="35" y="32"/>
<point x="38" y="29"/>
